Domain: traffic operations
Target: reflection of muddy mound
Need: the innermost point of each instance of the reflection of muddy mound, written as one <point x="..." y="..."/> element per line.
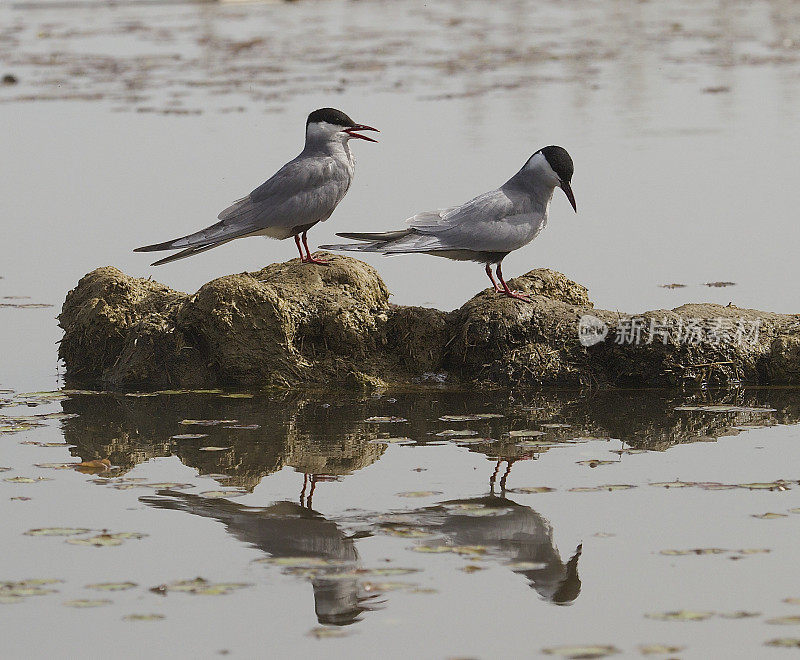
<point x="331" y="435"/>
<point x="289" y="323"/>
<point x="290" y="432"/>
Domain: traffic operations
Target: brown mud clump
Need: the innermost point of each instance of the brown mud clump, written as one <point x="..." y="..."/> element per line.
<point x="291" y="324"/>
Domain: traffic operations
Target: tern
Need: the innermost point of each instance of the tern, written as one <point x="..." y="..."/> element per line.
<point x="302" y="193"/>
<point x="486" y="228"/>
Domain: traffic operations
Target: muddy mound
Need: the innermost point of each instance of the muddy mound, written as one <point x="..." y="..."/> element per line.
<point x="291" y="324"/>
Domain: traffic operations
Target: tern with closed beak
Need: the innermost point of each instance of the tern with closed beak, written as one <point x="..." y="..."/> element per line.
<point x="484" y="229"/>
<point x="302" y="193"/>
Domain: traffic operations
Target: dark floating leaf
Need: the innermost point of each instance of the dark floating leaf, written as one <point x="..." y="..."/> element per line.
<point x="595" y="462"/>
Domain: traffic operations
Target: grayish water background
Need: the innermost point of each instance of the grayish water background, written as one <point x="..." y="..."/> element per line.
<point x="139" y="123"/>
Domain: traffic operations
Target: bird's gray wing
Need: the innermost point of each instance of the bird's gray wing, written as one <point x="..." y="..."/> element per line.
<point x="479" y="224"/>
<point x="304" y="191"/>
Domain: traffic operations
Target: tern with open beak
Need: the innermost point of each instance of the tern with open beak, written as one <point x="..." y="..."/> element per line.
<point x="484" y="229"/>
<point x="302" y="193"/>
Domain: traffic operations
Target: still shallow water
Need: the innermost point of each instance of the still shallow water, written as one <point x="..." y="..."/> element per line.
<point x="554" y="519"/>
<point x="136" y="123"/>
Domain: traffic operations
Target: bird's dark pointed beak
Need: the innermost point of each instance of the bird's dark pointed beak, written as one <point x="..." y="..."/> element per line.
<point x="361" y="127"/>
<point x="568" y="192"/>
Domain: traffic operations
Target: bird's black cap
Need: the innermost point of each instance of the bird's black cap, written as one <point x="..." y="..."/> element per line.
<point x="331" y="116"/>
<point x="560" y="161"/>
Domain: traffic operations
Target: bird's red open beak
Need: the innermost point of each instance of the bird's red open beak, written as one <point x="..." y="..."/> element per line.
<point x="568" y="192"/>
<point x="361" y="127"/>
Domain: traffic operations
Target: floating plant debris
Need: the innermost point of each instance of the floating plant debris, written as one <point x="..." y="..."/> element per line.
<point x="659" y="649"/>
<point x="608" y="487"/>
<point x="769" y="515"/>
<point x="595" y="462"/>
<point x="243" y="427"/>
<point x="456" y="549"/>
<point x="392" y="441"/>
<point x="227" y="493"/>
<point x="694" y="551"/>
<point x="189" y="436"/>
<point x="726" y="409"/>
<point x="419" y="493"/>
<point x="722" y="283"/>
<point x="326" y="633"/>
<point x="385" y="420"/>
<point x="104" y="539"/>
<point x="87" y="602"/>
<point x="57" y="531"/>
<point x="525" y="433"/>
<point x="532" y="489"/>
<point x="792" y="620"/>
<point x="207" y="422"/>
<point x="680" y="615"/>
<point x="26" y="480"/>
<point x="203" y="587"/>
<point x="143" y="617"/>
<point x="673" y="285"/>
<point x="214" y="448"/>
<point x="469" y="418"/>
<point x="581" y="652"/>
<point x="112" y="586"/>
<point x="452" y="433"/>
<point x="739" y="614"/>
<point x="171" y="485"/>
<point x="784" y="642"/>
<point x="404" y="532"/>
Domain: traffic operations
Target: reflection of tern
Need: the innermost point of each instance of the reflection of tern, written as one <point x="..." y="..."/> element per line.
<point x="302" y="193"/>
<point x="286" y="529"/>
<point x="484" y="229"/>
<point x="516" y="531"/>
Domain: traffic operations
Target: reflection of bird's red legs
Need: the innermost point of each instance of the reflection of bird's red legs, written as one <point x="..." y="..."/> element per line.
<point x="309" y="259"/>
<point x="303" y="492"/>
<point x="494" y="476"/>
<point x="491" y="277"/>
<point x="509" y="292"/>
<point x="311" y="490"/>
<point x="503" y="479"/>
